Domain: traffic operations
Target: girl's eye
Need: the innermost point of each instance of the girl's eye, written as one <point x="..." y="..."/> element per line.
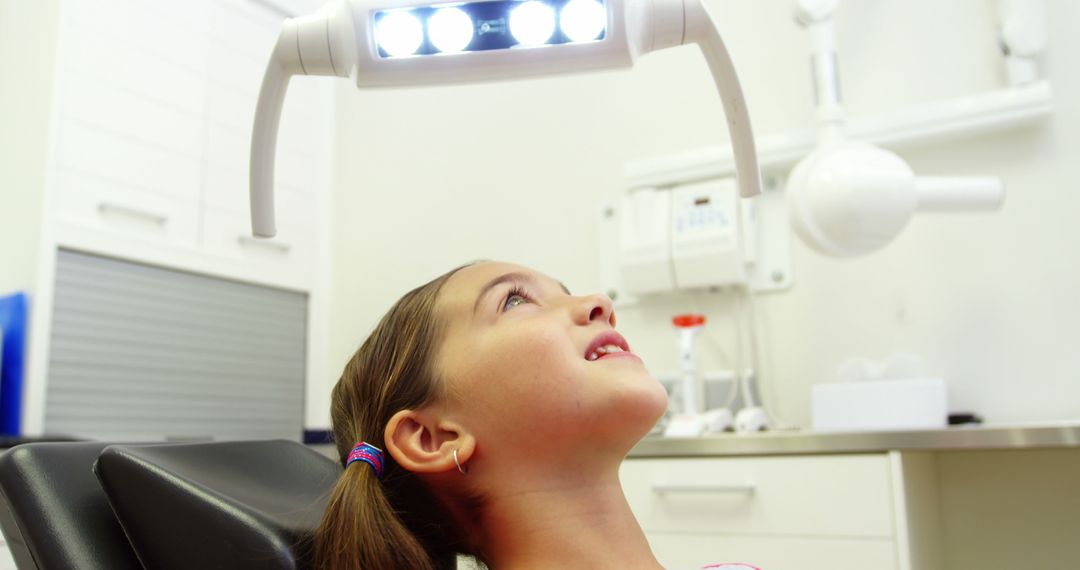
<point x="516" y="297"/>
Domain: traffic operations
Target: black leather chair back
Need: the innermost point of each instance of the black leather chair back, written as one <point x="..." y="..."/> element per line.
<point x="55" y="515"/>
<point x="230" y="505"/>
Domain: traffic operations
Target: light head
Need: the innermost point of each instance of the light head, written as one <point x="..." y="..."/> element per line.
<point x="395" y="43"/>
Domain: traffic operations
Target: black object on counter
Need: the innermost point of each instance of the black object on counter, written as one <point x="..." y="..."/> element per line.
<point x="961" y="418"/>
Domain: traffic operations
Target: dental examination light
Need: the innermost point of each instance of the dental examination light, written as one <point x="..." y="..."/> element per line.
<point x="849" y="198"/>
<point x="394" y="43"/>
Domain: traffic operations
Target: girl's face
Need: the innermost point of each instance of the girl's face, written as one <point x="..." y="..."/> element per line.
<point x="531" y="369"/>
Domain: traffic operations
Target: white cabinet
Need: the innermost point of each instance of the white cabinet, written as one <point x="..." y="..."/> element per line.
<point x="152" y="109"/>
<point x="824" y="512"/>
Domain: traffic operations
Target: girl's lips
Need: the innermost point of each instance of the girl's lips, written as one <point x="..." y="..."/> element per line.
<point x="605" y="339"/>
<point x="597" y="352"/>
<point x="618" y="355"/>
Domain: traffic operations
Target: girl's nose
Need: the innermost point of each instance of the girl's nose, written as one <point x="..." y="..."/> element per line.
<point x="595" y="308"/>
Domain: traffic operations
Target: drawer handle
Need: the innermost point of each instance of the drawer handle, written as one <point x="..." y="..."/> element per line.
<point x="736" y="489"/>
<point x="153" y="217"/>
<point x="279" y="247"/>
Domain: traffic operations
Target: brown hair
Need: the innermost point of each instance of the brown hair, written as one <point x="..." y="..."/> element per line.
<point x="393" y="523"/>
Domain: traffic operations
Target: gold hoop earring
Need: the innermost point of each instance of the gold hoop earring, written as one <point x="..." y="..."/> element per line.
<point x="462" y="470"/>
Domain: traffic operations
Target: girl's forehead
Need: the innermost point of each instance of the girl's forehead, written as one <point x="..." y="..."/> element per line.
<point x="459" y="294"/>
<point x="481" y="272"/>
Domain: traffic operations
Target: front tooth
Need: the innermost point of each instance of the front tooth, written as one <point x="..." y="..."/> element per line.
<point x="593" y="356"/>
<point x="613" y="348"/>
<point x="601" y="350"/>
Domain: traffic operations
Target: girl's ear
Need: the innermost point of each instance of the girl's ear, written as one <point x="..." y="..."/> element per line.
<point x="422" y="442"/>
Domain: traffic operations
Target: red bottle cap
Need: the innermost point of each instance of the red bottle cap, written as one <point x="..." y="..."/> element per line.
<point x="688" y="320"/>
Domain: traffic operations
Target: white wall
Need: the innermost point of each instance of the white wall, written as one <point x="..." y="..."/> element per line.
<point x="428" y="179"/>
<point x="27" y="52"/>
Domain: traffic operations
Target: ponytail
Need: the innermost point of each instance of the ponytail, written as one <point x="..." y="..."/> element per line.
<point x="360" y="531"/>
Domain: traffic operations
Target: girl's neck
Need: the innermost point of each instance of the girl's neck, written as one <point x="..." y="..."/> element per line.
<point x="563" y="524"/>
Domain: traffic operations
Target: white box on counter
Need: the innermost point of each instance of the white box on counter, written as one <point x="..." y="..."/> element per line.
<point x="875" y="405"/>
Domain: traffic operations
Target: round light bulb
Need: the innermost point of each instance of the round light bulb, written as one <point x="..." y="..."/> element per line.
<point x="583" y="20"/>
<point x="450" y="30"/>
<point x="532" y="23"/>
<point x="399" y="33"/>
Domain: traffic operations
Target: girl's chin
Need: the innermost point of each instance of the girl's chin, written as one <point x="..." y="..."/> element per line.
<point x="658" y="405"/>
<point x="639" y="410"/>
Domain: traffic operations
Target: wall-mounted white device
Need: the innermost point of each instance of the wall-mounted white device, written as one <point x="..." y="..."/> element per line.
<point x="707" y="247"/>
<point x="851" y="198"/>
<point x="693" y="235"/>
<point x="686" y="237"/>
<point x="379" y="43"/>
<point x="644" y="242"/>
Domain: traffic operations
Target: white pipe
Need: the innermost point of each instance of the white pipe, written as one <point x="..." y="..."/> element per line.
<point x="826" y="74"/>
<point x="958" y="193"/>
<point x="817" y="18"/>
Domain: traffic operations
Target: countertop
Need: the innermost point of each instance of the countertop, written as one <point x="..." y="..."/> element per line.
<point x="1012" y="436"/>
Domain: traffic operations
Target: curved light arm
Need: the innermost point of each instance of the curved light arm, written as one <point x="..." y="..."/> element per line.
<point x="263" y="148"/>
<point x="701" y="29"/>
<point x="284" y="63"/>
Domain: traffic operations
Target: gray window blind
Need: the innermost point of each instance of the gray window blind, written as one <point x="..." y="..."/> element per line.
<point x="144" y="353"/>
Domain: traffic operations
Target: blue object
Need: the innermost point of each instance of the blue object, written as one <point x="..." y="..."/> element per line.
<point x="13" y="311"/>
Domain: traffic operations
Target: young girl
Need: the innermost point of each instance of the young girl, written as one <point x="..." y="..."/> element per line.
<point x="487" y="414"/>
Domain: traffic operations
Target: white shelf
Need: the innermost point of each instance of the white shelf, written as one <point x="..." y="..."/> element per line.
<point x="948" y="120"/>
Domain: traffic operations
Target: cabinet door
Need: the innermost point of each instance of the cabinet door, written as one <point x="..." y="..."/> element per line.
<point x="686" y="552"/>
<point x="825" y="496"/>
<point x="129" y="102"/>
<point x="108" y="208"/>
<point x="228" y="235"/>
<point x="155" y="50"/>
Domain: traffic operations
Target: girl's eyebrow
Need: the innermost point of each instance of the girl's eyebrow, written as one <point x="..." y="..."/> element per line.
<point x="507" y="277"/>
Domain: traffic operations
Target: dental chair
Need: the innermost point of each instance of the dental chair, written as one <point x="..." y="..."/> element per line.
<point x="92" y="505"/>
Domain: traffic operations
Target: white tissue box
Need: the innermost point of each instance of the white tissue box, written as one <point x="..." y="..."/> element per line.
<point x="914" y="403"/>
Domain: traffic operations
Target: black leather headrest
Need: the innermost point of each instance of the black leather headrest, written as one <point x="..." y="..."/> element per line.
<point x="218" y="505"/>
<point x="56" y="516"/>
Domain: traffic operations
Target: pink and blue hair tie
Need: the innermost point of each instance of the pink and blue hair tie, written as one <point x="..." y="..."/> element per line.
<point x="369" y="454"/>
